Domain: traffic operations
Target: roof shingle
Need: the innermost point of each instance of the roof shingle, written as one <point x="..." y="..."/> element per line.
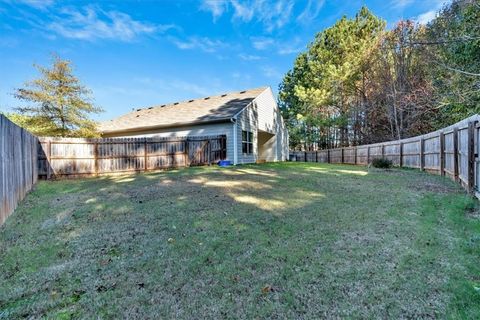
<point x="203" y="110"/>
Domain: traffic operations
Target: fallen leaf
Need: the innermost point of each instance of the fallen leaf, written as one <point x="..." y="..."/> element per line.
<point x="267" y="289"/>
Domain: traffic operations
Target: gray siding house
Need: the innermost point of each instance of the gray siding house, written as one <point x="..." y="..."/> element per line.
<point x="250" y="120"/>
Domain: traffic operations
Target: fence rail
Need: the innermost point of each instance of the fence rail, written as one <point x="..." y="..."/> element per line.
<point x="64" y="157"/>
<point x="18" y="165"/>
<point x="452" y="152"/>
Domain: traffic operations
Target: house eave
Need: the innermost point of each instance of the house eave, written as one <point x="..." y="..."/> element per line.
<point x="165" y="126"/>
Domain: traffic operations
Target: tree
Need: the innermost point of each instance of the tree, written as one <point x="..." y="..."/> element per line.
<point x="452" y="45"/>
<point x="39" y="126"/>
<point x="402" y="87"/>
<point x="292" y="108"/>
<point x="58" y="104"/>
<point x="329" y="90"/>
<point x="360" y="83"/>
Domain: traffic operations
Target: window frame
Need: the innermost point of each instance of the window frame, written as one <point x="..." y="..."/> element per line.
<point x="247" y="142"/>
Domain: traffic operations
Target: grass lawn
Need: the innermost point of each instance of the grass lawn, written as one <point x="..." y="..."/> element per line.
<point x="287" y="240"/>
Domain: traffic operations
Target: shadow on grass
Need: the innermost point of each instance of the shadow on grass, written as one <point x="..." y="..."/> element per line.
<point x="276" y="240"/>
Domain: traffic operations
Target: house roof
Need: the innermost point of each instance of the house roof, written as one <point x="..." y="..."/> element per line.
<point x="212" y="109"/>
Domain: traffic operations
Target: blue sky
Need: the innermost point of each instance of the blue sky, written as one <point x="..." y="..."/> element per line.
<point x="140" y="53"/>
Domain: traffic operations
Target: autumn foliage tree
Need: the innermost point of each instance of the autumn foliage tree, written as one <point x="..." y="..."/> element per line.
<point x="57" y="104"/>
<point x="359" y="82"/>
<point x="402" y="89"/>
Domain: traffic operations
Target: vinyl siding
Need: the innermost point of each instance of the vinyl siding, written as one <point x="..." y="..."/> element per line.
<point x="187" y="131"/>
<point x="282" y="139"/>
<point x="263" y="114"/>
<point x="247" y="121"/>
<point x="267" y="111"/>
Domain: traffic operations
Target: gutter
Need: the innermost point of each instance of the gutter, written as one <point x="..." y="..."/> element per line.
<point x="235" y="146"/>
<point x="172" y="125"/>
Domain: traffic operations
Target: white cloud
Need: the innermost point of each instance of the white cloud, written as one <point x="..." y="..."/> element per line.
<point x="243" y="11"/>
<point x="400" y="4"/>
<point x="312" y="10"/>
<point x="289" y="50"/>
<point x="282" y="47"/>
<point x="271" y="72"/>
<point x="279" y="16"/>
<point x="37" y="4"/>
<point x="92" y="23"/>
<point x="215" y="7"/>
<point x="203" y="43"/>
<point x="261" y="43"/>
<point x="249" y="57"/>
<point x="426" y="17"/>
<point x="290" y="46"/>
<point x="272" y="14"/>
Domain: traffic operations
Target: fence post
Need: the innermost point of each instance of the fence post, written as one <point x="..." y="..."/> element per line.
<point x="383" y="150"/>
<point x="95" y="156"/>
<point x="422" y="154"/>
<point x="441" y="155"/>
<point x="355" y="155"/>
<point x="186" y="153"/>
<point x="145" y="156"/>
<point x="343" y="157"/>
<point x="49" y="155"/>
<point x="305" y="156"/>
<point x="368" y="155"/>
<point x="401" y="154"/>
<point x="328" y="155"/>
<point x="455" y="154"/>
<point x="471" y="157"/>
<point x="35" y="160"/>
<point x="316" y="156"/>
<point x="209" y="150"/>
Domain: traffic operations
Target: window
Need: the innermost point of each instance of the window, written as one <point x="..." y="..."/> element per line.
<point x="247" y="142"/>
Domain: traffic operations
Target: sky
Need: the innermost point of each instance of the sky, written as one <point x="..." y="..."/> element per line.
<point x="135" y="53"/>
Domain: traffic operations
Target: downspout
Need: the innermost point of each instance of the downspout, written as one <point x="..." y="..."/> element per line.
<point x="235" y="146"/>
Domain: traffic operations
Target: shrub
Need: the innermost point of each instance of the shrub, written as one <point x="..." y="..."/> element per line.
<point x="382" y="163"/>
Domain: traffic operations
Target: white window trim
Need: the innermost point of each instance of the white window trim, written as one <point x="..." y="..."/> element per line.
<point x="251" y="141"/>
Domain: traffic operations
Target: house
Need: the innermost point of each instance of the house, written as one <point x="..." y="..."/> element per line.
<point x="250" y="120"/>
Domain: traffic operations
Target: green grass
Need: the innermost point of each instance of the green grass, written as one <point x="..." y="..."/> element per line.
<point x="285" y="240"/>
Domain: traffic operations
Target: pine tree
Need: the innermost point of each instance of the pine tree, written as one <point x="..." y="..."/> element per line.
<point x="337" y="63"/>
<point x="59" y="105"/>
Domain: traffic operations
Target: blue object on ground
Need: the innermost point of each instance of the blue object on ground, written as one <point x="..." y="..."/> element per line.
<point x="224" y="163"/>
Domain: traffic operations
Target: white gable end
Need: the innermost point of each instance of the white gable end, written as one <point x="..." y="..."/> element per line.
<point x="267" y="111"/>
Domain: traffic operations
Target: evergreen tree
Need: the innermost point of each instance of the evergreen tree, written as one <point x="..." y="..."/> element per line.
<point x="58" y="104"/>
<point x="329" y="88"/>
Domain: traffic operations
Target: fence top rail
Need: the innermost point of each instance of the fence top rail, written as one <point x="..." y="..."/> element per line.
<point x="60" y="140"/>
<point x="461" y="125"/>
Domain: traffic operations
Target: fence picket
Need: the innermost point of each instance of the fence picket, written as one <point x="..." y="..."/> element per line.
<point x="450" y="151"/>
<point x="18" y="165"/>
<point x="65" y="157"/>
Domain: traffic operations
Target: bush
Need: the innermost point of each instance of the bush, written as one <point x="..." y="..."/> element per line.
<point x="382" y="163"/>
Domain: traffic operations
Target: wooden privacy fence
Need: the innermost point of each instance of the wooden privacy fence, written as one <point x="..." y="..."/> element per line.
<point x="452" y="151"/>
<point x="18" y="165"/>
<point x="64" y="157"/>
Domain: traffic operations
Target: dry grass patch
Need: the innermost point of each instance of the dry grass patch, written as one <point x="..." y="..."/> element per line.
<point x="285" y="240"/>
